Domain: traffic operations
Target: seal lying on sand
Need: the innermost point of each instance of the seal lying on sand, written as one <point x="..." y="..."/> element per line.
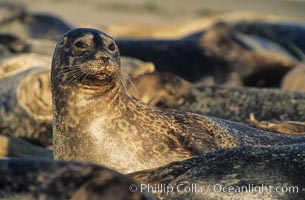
<point x="96" y="120"/>
<point x="25" y="104"/>
<point x="16" y="19"/>
<point x="236" y="104"/>
<point x="160" y="89"/>
<point x="220" y="53"/>
<point x="238" y="173"/>
<point x="29" y="179"/>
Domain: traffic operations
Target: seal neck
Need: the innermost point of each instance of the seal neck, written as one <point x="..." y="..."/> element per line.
<point x="81" y="97"/>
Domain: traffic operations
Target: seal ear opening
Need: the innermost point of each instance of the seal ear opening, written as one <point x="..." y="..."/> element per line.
<point x="62" y="42"/>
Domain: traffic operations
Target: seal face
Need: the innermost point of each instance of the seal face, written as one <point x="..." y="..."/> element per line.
<point x="91" y="56"/>
<point x="96" y="120"/>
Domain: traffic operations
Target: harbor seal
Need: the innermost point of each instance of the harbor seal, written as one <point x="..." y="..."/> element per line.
<point x="25" y="103"/>
<point x="47" y="179"/>
<point x="249" y="172"/>
<point x="231" y="103"/>
<point x="160" y="89"/>
<point x="95" y="119"/>
<point x="219" y="53"/>
<point x="288" y="34"/>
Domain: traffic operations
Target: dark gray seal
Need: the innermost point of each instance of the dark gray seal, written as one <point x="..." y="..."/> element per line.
<point x="238" y="173"/>
<point x="290" y="35"/>
<point x="17" y="147"/>
<point x="16" y="19"/>
<point x="30" y="179"/>
<point x="218" y="54"/>
<point x="95" y="119"/>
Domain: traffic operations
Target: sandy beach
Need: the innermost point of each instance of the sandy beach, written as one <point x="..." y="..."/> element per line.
<point x="160" y="12"/>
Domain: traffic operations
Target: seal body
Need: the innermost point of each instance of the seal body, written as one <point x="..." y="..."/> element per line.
<point x="221" y="55"/>
<point x="231" y="103"/>
<point x="25" y="104"/>
<point x="96" y="120"/>
<point x="238" y="103"/>
<point x="289" y="35"/>
<point x="46" y="179"/>
<point x="249" y="172"/>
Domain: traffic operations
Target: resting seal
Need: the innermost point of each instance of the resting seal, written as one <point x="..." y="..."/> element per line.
<point x="235" y="104"/>
<point x="96" y="120"/>
<point x="248" y="168"/>
<point x="29" y="179"/>
<point x="220" y="54"/>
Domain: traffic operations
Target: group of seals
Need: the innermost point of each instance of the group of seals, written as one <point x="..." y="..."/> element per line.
<point x="231" y="103"/>
<point x="96" y="120"/>
<point x="25" y="90"/>
<point x="219" y="53"/>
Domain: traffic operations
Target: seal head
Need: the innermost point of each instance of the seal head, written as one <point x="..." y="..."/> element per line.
<point x="91" y="56"/>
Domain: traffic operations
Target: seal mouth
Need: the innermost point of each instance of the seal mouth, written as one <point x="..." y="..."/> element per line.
<point x="96" y="79"/>
<point x="97" y="72"/>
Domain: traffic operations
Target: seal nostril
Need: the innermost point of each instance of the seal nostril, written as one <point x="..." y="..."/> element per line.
<point x="105" y="59"/>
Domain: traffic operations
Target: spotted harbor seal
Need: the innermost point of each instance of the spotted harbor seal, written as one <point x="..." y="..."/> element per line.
<point x="160" y="89"/>
<point x="25" y="103"/>
<point x="231" y="103"/>
<point x="238" y="173"/>
<point x="30" y="179"/>
<point x="95" y="119"/>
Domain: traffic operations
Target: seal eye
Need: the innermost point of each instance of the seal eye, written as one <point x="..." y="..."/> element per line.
<point x="81" y="45"/>
<point x="111" y="47"/>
